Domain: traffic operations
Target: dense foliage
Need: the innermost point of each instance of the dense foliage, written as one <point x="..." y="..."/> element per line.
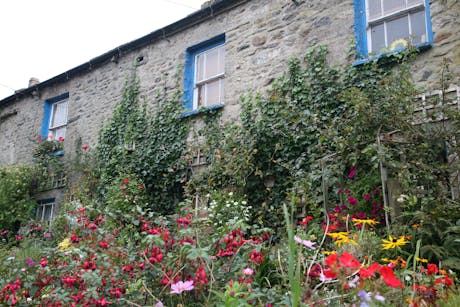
<point x="148" y="144"/>
<point x="329" y="190"/>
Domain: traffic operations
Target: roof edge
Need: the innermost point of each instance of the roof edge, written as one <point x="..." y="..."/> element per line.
<point x="190" y="20"/>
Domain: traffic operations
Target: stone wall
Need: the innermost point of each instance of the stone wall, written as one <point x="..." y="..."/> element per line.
<point x="261" y="36"/>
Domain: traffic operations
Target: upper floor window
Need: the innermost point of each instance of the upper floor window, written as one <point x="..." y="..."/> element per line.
<point x="55" y="117"/>
<point x="389" y="25"/>
<point x="205" y="74"/>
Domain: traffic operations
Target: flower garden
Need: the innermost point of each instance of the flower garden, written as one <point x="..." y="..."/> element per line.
<point x="146" y="228"/>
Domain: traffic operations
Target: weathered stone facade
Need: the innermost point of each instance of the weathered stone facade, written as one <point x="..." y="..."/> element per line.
<point x="261" y="36"/>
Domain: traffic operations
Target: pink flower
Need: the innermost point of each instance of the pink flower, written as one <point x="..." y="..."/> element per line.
<point x="307" y="243"/>
<point x="352" y="172"/>
<point x="367" y="196"/>
<point x="181" y="286"/>
<point x="248" y="271"/>
<point x="352" y="201"/>
<point x="85" y="147"/>
<point x="61" y="139"/>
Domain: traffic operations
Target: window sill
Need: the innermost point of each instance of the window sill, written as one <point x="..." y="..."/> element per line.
<point x="201" y="110"/>
<point x="389" y="54"/>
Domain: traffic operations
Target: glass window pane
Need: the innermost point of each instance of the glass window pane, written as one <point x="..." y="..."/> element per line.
<point x="221" y="59"/>
<point x="48" y="212"/>
<point x="59" y="115"/>
<point x="414" y="2"/>
<point x="39" y="212"/>
<point x="397" y="29"/>
<point x="375" y="9"/>
<point x="200" y="67"/>
<point x="377" y="37"/>
<point x="57" y="133"/>
<point x="212" y="93"/>
<point x="390" y="6"/>
<point x="212" y="63"/>
<point x="418" y="26"/>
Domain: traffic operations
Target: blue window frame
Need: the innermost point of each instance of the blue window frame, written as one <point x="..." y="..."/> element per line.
<point x="55" y="117"/>
<point x="387" y="26"/>
<point x="205" y="74"/>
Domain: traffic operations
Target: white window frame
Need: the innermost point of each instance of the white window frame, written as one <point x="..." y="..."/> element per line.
<point x="52" y="129"/>
<point x="385" y="18"/>
<point x="42" y="206"/>
<point x="197" y="84"/>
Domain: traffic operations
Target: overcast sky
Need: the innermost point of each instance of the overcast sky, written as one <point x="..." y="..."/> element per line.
<point x="43" y="38"/>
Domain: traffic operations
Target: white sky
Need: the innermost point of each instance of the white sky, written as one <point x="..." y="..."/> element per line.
<point x="43" y="38"/>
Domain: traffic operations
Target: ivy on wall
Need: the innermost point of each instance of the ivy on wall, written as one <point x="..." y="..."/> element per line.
<point x="147" y="145"/>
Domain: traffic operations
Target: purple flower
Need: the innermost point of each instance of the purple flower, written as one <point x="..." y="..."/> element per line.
<point x="159" y="304"/>
<point x="181" y="286"/>
<point x="307" y="243"/>
<point x="29" y="261"/>
<point x="48" y="235"/>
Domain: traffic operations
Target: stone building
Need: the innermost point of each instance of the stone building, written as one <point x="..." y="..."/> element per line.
<point x="224" y="50"/>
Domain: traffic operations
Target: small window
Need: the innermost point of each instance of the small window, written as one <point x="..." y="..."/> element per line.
<point x="389" y="25"/>
<point x="45" y="210"/>
<point x="205" y="74"/>
<point x="55" y="118"/>
<point x="58" y="120"/>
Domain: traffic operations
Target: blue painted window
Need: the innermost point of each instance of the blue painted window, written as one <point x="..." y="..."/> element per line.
<point x="204" y="77"/>
<point x="385" y="26"/>
<point x="55" y="117"/>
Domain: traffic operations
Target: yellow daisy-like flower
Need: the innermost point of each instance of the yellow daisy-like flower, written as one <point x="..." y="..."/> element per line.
<point x="369" y="222"/>
<point x="341" y="238"/>
<point x="327" y="253"/>
<point x="421" y="260"/>
<point x="65" y="245"/>
<point x="393" y="243"/>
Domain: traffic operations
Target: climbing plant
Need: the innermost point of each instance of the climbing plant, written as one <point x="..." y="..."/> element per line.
<point x="148" y="145"/>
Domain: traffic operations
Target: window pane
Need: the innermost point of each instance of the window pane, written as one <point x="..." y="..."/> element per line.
<point x="418" y="26"/>
<point x="397" y="29"/>
<point x="48" y="212"/>
<point x="377" y="37"/>
<point x="212" y="93"/>
<point x="393" y="5"/>
<point x="212" y="63"/>
<point x="375" y="9"/>
<point x="413" y="2"/>
<point x="57" y="133"/>
<point x="39" y="212"/>
<point x="200" y="67"/>
<point x="59" y="116"/>
<point x="221" y="59"/>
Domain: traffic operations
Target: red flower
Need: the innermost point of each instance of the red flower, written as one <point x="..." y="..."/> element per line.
<point x="103" y="244"/>
<point x="43" y="262"/>
<point x="69" y="281"/>
<point x="367" y="196"/>
<point x="126" y="180"/>
<point x="74" y="238"/>
<point x="432" y="269"/>
<point x="200" y="276"/>
<point x="349" y="261"/>
<point x="368" y="272"/>
<point x="85" y="147"/>
<point x="331" y="260"/>
<point x="352" y="201"/>
<point x="61" y="139"/>
<point x="352" y="172"/>
<point x="256" y="257"/>
<point x="389" y="277"/>
<point x="305" y="221"/>
<point x="18" y="237"/>
<point x="447" y="281"/>
<point x="329" y="274"/>
<point x="156" y="255"/>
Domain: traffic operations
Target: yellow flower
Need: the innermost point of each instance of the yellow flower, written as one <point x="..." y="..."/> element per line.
<point x="393" y="243"/>
<point x="443" y="272"/>
<point x="327" y="253"/>
<point x="65" y="245"/>
<point x="342" y="237"/>
<point x="369" y="222"/>
<point x="421" y="259"/>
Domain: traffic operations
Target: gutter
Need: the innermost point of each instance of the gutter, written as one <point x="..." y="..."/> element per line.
<point x="216" y="8"/>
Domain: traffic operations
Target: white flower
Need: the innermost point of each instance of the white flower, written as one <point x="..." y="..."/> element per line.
<point x="230" y="194"/>
<point x="244" y="202"/>
<point x="401" y="198"/>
